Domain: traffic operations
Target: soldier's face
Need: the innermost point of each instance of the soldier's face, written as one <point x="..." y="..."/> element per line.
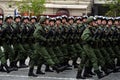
<point x="94" y="23"/>
<point x="58" y="21"/>
<point x="9" y="20"/>
<point x="63" y="20"/>
<point x="71" y="21"/>
<point x="33" y="20"/>
<point x="17" y="20"/>
<point x="98" y="21"/>
<point x="104" y="22"/>
<point x="109" y="22"/>
<point x="78" y="21"/>
<point x="84" y="20"/>
<point x="26" y="21"/>
<point x="47" y="21"/>
<point x="116" y="23"/>
<point x="52" y="23"/>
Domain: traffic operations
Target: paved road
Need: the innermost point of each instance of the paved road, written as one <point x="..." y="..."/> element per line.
<point x="21" y="74"/>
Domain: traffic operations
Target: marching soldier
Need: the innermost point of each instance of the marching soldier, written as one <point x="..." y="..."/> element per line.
<point x="63" y="47"/>
<point x="8" y="44"/>
<point x="89" y="53"/>
<point x="40" y="48"/>
<point x="18" y="48"/>
<point x="2" y="54"/>
<point x="58" y="40"/>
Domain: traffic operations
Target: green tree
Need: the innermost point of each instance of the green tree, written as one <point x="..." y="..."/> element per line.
<point x="35" y="7"/>
<point x="114" y="7"/>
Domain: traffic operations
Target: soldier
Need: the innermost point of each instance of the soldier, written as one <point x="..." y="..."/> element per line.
<point x="77" y="38"/>
<point x="40" y="59"/>
<point x="115" y="37"/>
<point x="71" y="40"/>
<point x="102" y="22"/>
<point x="63" y="47"/>
<point x="58" y="40"/>
<point x="25" y="25"/>
<point x="110" y="41"/>
<point x="2" y="55"/>
<point x="108" y="38"/>
<point x="89" y="53"/>
<point x="118" y="37"/>
<point x="51" y="41"/>
<point x="79" y="47"/>
<point x="8" y="45"/>
<point x="47" y="69"/>
<point x="40" y="44"/>
<point x="18" y="48"/>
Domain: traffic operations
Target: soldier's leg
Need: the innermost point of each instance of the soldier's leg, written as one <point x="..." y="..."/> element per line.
<point x="43" y="52"/>
<point x="93" y="59"/>
<point x="100" y="58"/>
<point x="16" y="50"/>
<point x="25" y="55"/>
<point x="81" y="65"/>
<point x="34" y="59"/>
<point x="79" y="49"/>
<point x="112" y="56"/>
<point x="20" y="50"/>
<point x="117" y="54"/>
<point x="59" y="54"/>
<point x="3" y="62"/>
<point x="108" y="61"/>
<point x="64" y="50"/>
<point x="71" y="52"/>
<point x="40" y="62"/>
<point x="101" y="61"/>
<point x="52" y="54"/>
<point x="8" y="49"/>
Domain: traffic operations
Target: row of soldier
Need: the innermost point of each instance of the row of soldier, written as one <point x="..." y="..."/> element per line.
<point x="54" y="41"/>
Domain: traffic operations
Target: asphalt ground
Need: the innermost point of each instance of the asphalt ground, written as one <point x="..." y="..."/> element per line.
<point x="21" y="74"/>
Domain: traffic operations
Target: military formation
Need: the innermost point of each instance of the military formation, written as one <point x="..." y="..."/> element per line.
<point x="54" y="41"/>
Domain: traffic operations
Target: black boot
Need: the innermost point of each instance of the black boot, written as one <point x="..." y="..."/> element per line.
<point x="30" y="73"/>
<point x="47" y="69"/>
<point x="75" y="64"/>
<point x="39" y="70"/>
<point x="99" y="74"/>
<point x="22" y="64"/>
<point x="13" y="67"/>
<point x="107" y="71"/>
<point x="116" y="69"/>
<point x="79" y="76"/>
<point x="89" y="70"/>
<point x="68" y="66"/>
<point x="2" y="69"/>
<point x="7" y="69"/>
<point x="15" y="64"/>
<point x="118" y="62"/>
<point x="86" y="73"/>
<point x="57" y="69"/>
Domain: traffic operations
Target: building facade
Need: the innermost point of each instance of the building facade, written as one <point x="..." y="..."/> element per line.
<point x="58" y="7"/>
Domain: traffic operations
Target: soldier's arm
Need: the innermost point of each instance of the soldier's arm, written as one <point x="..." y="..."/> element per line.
<point x="38" y="36"/>
<point x="86" y="36"/>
